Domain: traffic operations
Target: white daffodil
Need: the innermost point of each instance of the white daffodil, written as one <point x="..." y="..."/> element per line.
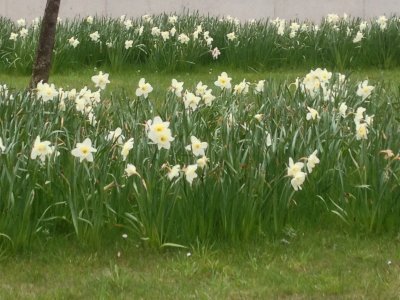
<point x="41" y="149"/>
<point x="312" y="160"/>
<point x="361" y="131"/>
<point x="174" y="172"/>
<point x="144" y="88"/>
<point x="202" y="162"/>
<point x="197" y="147"/>
<point x="359" y="36"/>
<point x="116" y="136"/>
<point x="176" y="87"/>
<point x="215" y="53"/>
<point x="259" y="89"/>
<point x="191" y="101"/>
<point x="101" y="80"/>
<point x="2" y="147"/>
<point x="259" y="117"/>
<point x="200" y="89"/>
<point x="89" y="19"/>
<point x="190" y="173"/>
<point x="294" y="168"/>
<point x="159" y="133"/>
<point x="73" y="42"/>
<point x="23" y="33"/>
<point x="223" y="81"/>
<point x="126" y="148"/>
<point x="84" y="150"/>
<point x="130" y="170"/>
<point x="241" y="88"/>
<point x="312" y="114"/>
<point x="21" y="23"/>
<point x="128" y="44"/>
<point x="297" y="180"/>
<point x="343" y="109"/>
<point x="231" y="36"/>
<point x="183" y="38"/>
<point x="13" y="36"/>
<point x="95" y="36"/>
<point x="45" y="91"/>
<point x="364" y="90"/>
<point x="208" y="98"/>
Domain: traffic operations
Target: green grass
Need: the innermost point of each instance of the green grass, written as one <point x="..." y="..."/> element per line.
<point x="311" y="264"/>
<point x="127" y="80"/>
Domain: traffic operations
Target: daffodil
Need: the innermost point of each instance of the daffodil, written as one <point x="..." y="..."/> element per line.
<point x="130" y="170"/>
<point x="45" y="91"/>
<point x="21" y="23"/>
<point x="191" y="101"/>
<point x="41" y="149"/>
<point x="202" y="162"/>
<point x="359" y="36"/>
<point x="215" y="53"/>
<point x="259" y="117"/>
<point x="190" y="173"/>
<point x="312" y="114"/>
<point x="84" y="150"/>
<point x="116" y="136"/>
<point x="2" y="147"/>
<point x="312" y="160"/>
<point x="231" y="36"/>
<point x="23" y="33"/>
<point x="241" y="88"/>
<point x="259" y="89"/>
<point x="364" y="90"/>
<point x="208" y="98"/>
<point x="294" y="168"/>
<point x="159" y="133"/>
<point x="183" y="38"/>
<point x="73" y="42"/>
<point x="174" y="172"/>
<point x="362" y="131"/>
<point x="101" y="80"/>
<point x="144" y="88"/>
<point x="343" y="109"/>
<point x="128" y="44"/>
<point x="89" y="19"/>
<point x="197" y="147"/>
<point x="200" y="89"/>
<point x="95" y="36"/>
<point x="126" y="148"/>
<point x="297" y="180"/>
<point x="176" y="87"/>
<point x="223" y="81"/>
<point x="172" y="19"/>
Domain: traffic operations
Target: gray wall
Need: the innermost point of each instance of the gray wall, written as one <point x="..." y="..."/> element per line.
<point x="242" y="9"/>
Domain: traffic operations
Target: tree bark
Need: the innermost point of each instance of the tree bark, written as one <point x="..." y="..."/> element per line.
<point x="42" y="64"/>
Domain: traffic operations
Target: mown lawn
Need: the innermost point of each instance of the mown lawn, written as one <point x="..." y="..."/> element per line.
<point x="128" y="79"/>
<point x="310" y="264"/>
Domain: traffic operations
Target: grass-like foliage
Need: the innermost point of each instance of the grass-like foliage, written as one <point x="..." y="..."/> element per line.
<point x="173" y="43"/>
<point x="253" y="157"/>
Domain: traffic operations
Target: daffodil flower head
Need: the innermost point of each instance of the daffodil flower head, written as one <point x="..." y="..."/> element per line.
<point x="84" y="151"/>
<point x="41" y="149"/>
<point x="197" y="147"/>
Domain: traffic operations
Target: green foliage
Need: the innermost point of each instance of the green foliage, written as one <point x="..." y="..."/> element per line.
<point x="259" y="45"/>
<point x="243" y="193"/>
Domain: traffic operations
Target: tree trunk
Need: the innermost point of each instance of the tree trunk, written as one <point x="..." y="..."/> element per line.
<point x="42" y="64"/>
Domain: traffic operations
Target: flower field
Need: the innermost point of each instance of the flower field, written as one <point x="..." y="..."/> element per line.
<point x="170" y="42"/>
<point x="223" y="160"/>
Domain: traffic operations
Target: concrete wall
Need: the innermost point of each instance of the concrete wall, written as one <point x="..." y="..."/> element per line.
<point x="288" y="9"/>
